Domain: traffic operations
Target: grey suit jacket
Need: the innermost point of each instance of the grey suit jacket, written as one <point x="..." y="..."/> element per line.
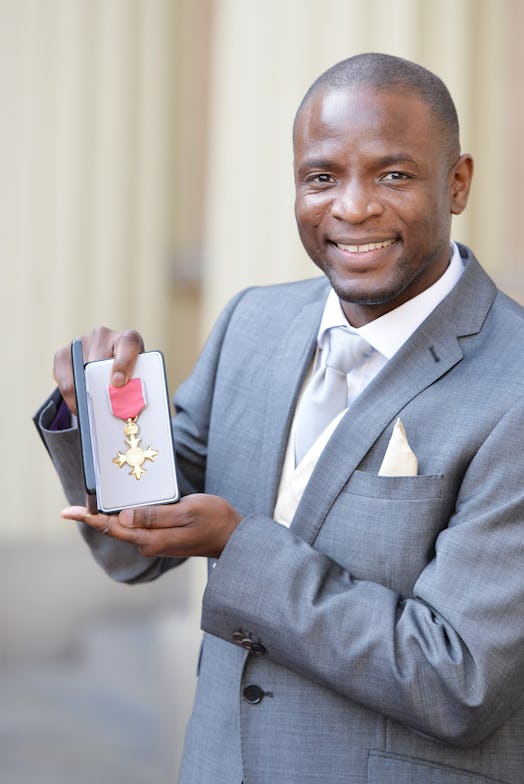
<point x="380" y="639"/>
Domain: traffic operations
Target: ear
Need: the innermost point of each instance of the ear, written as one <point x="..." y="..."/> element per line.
<point x="460" y="176"/>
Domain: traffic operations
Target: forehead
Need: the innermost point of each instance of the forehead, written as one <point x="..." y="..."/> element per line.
<point x="367" y="118"/>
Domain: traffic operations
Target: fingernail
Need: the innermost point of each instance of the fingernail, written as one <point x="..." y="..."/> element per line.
<point x="71" y="513"/>
<point x="126" y="517"/>
<point x="118" y="379"/>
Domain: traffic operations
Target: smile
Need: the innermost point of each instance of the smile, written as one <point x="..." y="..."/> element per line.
<point x="365" y="248"/>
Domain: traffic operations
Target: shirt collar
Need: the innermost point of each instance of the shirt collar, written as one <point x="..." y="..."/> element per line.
<point x="389" y="332"/>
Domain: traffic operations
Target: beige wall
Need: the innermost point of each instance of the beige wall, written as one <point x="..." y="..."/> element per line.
<point x="103" y="107"/>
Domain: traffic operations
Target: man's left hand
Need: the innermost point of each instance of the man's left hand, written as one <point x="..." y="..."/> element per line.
<point x="198" y="524"/>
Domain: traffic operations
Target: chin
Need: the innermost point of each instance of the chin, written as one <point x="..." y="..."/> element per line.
<point x="362" y="296"/>
<point x="362" y="292"/>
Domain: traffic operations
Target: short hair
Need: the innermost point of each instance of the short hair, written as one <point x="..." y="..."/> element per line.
<point x="387" y="72"/>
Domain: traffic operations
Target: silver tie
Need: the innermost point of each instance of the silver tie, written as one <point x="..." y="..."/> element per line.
<point x="326" y="394"/>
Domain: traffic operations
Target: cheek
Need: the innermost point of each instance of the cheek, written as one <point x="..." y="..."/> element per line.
<point x="309" y="215"/>
<point x="431" y="215"/>
<point x="316" y="219"/>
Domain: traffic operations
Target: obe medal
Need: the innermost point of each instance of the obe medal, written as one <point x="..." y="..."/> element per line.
<point x="127" y="403"/>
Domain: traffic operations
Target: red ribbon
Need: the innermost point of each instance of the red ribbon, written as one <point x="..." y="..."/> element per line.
<point x="127" y="401"/>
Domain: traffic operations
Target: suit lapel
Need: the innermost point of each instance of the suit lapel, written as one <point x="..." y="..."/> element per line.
<point x="430" y="353"/>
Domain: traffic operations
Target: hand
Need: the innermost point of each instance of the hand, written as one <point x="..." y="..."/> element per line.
<point x="199" y="524"/>
<point x="101" y="343"/>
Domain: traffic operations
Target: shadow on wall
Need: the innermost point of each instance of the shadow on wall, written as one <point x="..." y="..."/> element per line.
<point x="97" y="679"/>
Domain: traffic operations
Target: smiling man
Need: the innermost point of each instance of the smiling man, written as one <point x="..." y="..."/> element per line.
<point x="350" y="459"/>
<point x="378" y="174"/>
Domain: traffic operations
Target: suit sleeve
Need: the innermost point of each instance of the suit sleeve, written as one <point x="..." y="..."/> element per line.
<point x="444" y="661"/>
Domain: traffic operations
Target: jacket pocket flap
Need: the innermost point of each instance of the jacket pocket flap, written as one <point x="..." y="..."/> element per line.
<point x="396" y="488"/>
<point x="386" y="768"/>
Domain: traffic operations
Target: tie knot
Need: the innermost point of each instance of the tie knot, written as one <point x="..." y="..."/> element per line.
<point x="346" y="349"/>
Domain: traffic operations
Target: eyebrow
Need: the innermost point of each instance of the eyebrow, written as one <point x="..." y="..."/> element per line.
<point x="387" y="160"/>
<point x="317" y="163"/>
<point x="392" y="160"/>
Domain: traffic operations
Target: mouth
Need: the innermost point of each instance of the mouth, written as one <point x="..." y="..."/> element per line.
<point x="365" y="247"/>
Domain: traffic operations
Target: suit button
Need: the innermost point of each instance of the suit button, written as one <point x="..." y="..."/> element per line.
<point x="253" y="694"/>
<point x="248" y="643"/>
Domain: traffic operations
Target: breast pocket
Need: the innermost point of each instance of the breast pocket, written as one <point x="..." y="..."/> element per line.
<point x="384" y="528"/>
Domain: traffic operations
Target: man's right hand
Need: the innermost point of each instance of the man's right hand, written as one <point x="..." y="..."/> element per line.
<point x="101" y="343"/>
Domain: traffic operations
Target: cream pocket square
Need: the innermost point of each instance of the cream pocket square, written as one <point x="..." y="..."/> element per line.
<point x="399" y="460"/>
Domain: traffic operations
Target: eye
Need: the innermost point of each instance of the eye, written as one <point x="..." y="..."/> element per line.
<point x="320" y="179"/>
<point x="395" y="176"/>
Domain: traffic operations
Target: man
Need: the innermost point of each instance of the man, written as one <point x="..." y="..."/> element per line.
<point x="364" y="612"/>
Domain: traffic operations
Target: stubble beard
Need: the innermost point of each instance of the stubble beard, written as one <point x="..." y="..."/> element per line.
<point x="403" y="277"/>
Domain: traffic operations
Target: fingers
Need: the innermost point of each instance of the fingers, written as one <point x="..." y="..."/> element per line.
<point x="146" y="517"/>
<point x="152" y="517"/>
<point x="108" y="525"/>
<point x="63" y="375"/>
<point x="192" y="510"/>
<point x="101" y="343"/>
<point x="101" y="522"/>
<point x="150" y="543"/>
<point x="126" y="348"/>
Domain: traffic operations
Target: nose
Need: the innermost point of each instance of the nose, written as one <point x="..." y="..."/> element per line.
<point x="355" y="202"/>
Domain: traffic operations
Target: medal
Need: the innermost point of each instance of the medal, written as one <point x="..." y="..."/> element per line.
<point x="127" y="403"/>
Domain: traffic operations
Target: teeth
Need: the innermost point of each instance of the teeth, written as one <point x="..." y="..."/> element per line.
<point x="365" y="248"/>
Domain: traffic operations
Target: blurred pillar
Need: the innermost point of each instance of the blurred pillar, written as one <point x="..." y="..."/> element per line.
<point x="100" y="198"/>
<point x="510" y="182"/>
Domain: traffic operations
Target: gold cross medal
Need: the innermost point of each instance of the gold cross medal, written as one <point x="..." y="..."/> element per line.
<point x="127" y="403"/>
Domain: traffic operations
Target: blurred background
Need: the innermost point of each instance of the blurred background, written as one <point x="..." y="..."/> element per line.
<point x="146" y="176"/>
